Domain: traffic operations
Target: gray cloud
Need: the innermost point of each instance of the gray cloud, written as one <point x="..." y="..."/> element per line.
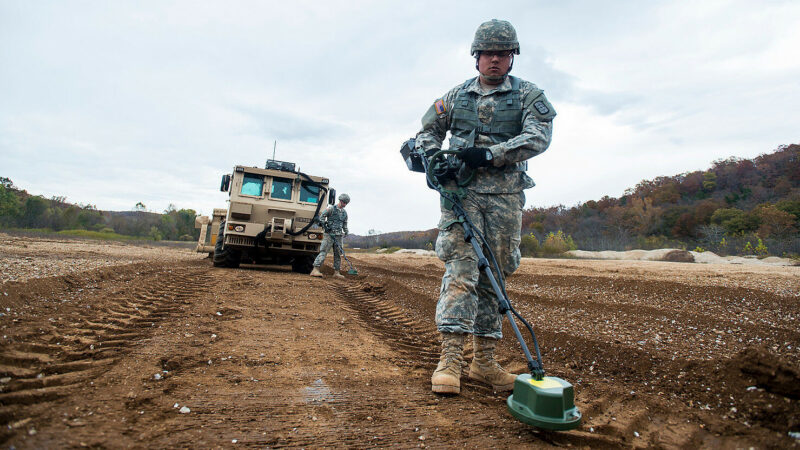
<point x="153" y="101"/>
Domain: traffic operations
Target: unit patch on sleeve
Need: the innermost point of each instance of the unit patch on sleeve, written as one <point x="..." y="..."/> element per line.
<point x="439" y="106"/>
<point x="541" y="107"/>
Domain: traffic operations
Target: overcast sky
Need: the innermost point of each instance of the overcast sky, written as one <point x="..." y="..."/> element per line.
<point x="113" y="103"/>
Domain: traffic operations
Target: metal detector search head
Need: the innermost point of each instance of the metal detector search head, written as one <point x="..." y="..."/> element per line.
<point x="547" y="403"/>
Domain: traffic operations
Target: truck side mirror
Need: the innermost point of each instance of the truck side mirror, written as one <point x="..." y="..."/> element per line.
<point x="332" y="196"/>
<point x="226" y="183"/>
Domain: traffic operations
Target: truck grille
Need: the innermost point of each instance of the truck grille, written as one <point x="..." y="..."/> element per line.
<point x="239" y="240"/>
<point x="302" y="246"/>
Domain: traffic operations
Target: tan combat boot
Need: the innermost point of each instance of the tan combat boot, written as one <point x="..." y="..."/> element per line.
<point x="446" y="378"/>
<point x="485" y="369"/>
<point x="337" y="274"/>
<point x="316" y="272"/>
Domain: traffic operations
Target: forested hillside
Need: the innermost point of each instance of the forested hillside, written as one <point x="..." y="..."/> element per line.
<point x="733" y="203"/>
<point x="737" y="206"/>
<point x="19" y="209"/>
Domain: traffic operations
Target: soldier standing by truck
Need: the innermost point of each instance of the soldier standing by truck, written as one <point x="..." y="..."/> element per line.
<point x="497" y="122"/>
<point x="334" y="224"/>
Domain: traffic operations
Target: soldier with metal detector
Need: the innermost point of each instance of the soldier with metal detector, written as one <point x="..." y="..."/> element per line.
<point x="497" y="122"/>
<point x="334" y="224"/>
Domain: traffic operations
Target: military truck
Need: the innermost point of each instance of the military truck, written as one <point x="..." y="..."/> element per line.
<point x="270" y="219"/>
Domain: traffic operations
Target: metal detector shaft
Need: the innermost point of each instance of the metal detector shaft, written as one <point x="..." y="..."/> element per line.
<point x="536" y="368"/>
<point x="483" y="265"/>
<point x="345" y="256"/>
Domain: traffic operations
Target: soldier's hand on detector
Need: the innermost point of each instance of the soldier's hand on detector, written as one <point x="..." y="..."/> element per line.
<point x="475" y="157"/>
<point x="443" y="172"/>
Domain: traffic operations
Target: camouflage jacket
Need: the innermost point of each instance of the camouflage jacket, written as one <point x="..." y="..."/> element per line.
<point x="507" y="174"/>
<point x="334" y="220"/>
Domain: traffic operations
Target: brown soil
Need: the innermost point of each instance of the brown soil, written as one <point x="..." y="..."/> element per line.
<point x="661" y="355"/>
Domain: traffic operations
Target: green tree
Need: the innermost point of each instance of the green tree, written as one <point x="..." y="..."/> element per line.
<point x="69" y="218"/>
<point x="761" y="249"/>
<point x="154" y="234"/>
<point x="185" y="222"/>
<point x="709" y="181"/>
<point x="168" y="229"/>
<point x="529" y="245"/>
<point x="791" y="206"/>
<point x="9" y="204"/>
<point x="33" y="212"/>
<point x="558" y="242"/>
<point x="735" y="220"/>
<point x="88" y="218"/>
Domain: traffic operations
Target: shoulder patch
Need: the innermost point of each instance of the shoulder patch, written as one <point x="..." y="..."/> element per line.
<point x="538" y="104"/>
<point x="438" y="105"/>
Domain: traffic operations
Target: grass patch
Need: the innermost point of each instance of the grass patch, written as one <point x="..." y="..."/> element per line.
<point x="87" y="234"/>
<point x="103" y="235"/>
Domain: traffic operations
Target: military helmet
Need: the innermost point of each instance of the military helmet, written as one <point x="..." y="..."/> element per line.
<point x="344" y="198"/>
<point x="495" y="35"/>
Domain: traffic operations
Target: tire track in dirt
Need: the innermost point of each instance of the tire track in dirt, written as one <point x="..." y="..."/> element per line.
<point x="49" y="365"/>
<point x="417" y="345"/>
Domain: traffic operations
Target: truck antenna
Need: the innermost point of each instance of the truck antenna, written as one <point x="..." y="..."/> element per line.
<point x="274" y="144"/>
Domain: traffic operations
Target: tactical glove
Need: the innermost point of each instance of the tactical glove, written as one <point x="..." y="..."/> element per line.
<point x="475" y="157"/>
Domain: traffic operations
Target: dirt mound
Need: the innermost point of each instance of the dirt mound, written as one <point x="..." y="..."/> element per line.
<point x="755" y="386"/>
<point x="773" y="391"/>
<point x="769" y="371"/>
<point x="678" y="256"/>
<point x="17" y="293"/>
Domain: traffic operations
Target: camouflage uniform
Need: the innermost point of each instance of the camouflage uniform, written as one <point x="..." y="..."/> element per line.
<point x="514" y="121"/>
<point x="335" y="220"/>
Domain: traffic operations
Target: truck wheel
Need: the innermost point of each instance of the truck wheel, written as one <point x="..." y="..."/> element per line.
<point x="225" y="257"/>
<point x="303" y="264"/>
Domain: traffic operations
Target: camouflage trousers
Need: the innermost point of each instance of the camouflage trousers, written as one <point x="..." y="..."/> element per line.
<point x="467" y="302"/>
<point x="325" y="247"/>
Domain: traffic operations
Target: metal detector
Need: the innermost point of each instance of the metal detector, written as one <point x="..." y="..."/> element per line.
<point x="537" y="400"/>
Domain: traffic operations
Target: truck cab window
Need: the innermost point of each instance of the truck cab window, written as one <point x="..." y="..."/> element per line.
<point x="281" y="189"/>
<point x="309" y="193"/>
<point x="252" y="185"/>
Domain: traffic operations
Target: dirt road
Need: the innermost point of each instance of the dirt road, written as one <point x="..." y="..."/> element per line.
<point x="171" y="352"/>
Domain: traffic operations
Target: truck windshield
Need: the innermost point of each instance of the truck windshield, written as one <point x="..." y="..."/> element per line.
<point x="309" y="193"/>
<point x="252" y="184"/>
<point x="281" y="189"/>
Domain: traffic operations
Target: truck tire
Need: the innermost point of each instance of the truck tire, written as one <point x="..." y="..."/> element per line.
<point x="303" y="264"/>
<point x="225" y="257"/>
